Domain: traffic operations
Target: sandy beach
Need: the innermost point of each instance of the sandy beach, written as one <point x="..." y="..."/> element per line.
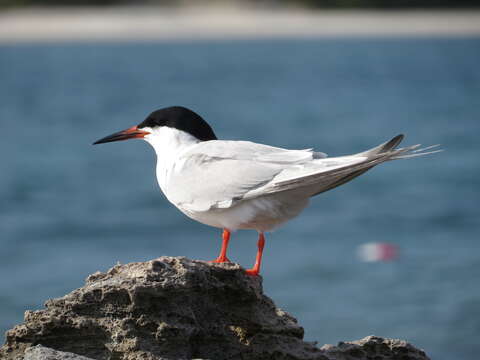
<point x="154" y="23"/>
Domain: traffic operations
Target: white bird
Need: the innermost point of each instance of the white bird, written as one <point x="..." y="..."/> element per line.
<point x="241" y="184"/>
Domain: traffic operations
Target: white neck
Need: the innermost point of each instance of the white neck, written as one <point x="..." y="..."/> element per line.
<point x="168" y="144"/>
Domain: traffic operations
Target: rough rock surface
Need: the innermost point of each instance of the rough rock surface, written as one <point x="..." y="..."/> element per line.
<point x="40" y="352"/>
<point x="375" y="348"/>
<point x="176" y="308"/>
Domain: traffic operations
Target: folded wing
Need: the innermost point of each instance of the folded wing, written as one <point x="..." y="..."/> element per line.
<point x="227" y="172"/>
<point x="327" y="174"/>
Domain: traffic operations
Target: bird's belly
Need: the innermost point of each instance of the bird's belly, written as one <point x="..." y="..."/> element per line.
<point x="262" y="214"/>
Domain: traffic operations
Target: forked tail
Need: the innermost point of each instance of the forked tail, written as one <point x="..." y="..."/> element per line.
<point x="399" y="153"/>
<point x="355" y="165"/>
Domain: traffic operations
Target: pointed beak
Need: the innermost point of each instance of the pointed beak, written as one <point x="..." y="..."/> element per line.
<point x="132" y="133"/>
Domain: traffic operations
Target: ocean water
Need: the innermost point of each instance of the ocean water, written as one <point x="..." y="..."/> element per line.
<point x="68" y="209"/>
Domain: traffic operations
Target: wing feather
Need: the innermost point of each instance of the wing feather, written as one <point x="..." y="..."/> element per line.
<point x="339" y="170"/>
<point x="226" y="172"/>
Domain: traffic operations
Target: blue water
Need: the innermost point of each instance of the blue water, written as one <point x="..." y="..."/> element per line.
<point x="68" y="209"/>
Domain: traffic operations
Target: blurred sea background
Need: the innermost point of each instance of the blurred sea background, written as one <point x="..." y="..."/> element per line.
<point x="68" y="209"/>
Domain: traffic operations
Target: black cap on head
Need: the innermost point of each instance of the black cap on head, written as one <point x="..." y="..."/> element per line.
<point x="180" y="118"/>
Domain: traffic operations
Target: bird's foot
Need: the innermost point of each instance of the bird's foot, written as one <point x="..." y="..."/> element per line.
<point x="220" y="259"/>
<point x="252" y="272"/>
<point x="255" y="270"/>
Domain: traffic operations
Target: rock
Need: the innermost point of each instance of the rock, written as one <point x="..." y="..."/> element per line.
<point x="373" y="347"/>
<point x="40" y="352"/>
<point x="175" y="308"/>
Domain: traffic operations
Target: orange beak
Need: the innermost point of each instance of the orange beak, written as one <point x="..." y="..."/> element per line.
<point x="131" y="133"/>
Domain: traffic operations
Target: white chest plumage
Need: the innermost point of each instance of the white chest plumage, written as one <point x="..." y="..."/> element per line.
<point x="169" y="144"/>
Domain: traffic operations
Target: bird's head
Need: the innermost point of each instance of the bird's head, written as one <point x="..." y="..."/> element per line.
<point x="161" y="123"/>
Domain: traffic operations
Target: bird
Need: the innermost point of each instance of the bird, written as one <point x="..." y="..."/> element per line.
<point x="235" y="185"/>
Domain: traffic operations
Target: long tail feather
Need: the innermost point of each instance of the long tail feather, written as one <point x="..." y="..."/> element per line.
<point x="414" y="151"/>
<point x="329" y="179"/>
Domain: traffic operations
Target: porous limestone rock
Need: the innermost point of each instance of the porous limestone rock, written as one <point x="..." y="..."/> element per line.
<point x="40" y="352"/>
<point x="373" y="347"/>
<point x="173" y="308"/>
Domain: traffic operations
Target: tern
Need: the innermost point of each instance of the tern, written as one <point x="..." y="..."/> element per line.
<point x="236" y="185"/>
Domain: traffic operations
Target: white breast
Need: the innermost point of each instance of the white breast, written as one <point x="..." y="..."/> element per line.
<point x="169" y="144"/>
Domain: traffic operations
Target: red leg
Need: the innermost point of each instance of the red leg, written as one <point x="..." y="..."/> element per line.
<point x="222" y="257"/>
<point x="255" y="270"/>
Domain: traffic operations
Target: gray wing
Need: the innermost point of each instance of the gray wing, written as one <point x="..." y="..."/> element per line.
<point x="218" y="174"/>
<point x="326" y="174"/>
